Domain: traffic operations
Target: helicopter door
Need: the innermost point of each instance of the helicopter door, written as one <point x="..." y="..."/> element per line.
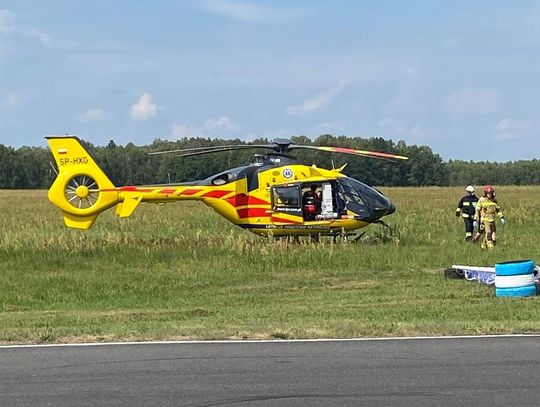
<point x="286" y="200"/>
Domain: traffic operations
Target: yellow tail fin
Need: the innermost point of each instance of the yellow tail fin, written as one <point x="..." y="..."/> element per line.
<point x="82" y="190"/>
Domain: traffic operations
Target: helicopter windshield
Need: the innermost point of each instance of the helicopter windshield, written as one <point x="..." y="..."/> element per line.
<point x="368" y="203"/>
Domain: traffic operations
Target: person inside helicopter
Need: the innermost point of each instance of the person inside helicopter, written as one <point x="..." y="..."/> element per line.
<point x="311" y="202"/>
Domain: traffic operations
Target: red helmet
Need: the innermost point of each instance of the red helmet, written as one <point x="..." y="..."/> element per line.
<point x="488" y="189"/>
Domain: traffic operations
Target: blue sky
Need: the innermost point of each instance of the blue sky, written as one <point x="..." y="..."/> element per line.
<point x="462" y="77"/>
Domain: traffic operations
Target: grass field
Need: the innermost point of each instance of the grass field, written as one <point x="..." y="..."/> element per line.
<point x="180" y="271"/>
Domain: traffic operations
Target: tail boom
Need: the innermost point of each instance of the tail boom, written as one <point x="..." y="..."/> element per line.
<point x="82" y="190"/>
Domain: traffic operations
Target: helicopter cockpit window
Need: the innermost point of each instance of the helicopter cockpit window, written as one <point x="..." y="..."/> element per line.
<point x="350" y="193"/>
<point x="286" y="197"/>
<point x="363" y="200"/>
<point x="371" y="197"/>
<point x="221" y="179"/>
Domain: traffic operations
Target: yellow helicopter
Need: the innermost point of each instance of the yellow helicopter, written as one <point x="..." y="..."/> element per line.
<point x="272" y="195"/>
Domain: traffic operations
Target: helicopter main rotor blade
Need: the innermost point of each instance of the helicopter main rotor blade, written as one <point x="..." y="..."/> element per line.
<point x="213" y="149"/>
<point x="280" y="146"/>
<point x="363" y="153"/>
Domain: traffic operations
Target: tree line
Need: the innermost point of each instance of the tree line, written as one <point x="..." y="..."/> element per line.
<point x="33" y="167"/>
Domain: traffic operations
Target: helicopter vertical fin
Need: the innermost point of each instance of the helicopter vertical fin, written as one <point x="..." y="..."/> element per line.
<point x="81" y="190"/>
<point x="126" y="208"/>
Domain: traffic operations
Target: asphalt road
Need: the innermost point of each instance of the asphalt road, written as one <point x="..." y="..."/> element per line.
<point x="494" y="371"/>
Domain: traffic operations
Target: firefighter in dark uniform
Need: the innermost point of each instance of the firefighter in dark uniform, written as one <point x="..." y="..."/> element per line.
<point x="466" y="209"/>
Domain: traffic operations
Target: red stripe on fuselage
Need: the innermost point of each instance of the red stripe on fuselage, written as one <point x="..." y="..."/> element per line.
<point x="133" y="189"/>
<point x="243" y="200"/>
<point x="167" y="191"/>
<point x="252" y="213"/>
<point x="190" y="191"/>
<point x="216" y="194"/>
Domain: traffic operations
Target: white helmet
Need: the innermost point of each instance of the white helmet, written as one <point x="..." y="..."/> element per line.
<point x="470" y="189"/>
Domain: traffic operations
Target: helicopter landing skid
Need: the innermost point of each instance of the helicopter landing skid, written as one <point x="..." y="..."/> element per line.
<point x="389" y="234"/>
<point x="382" y="222"/>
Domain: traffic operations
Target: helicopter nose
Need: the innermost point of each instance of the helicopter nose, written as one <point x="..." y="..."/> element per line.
<point x="382" y="210"/>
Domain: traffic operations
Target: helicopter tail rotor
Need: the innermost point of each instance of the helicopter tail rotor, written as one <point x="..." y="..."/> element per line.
<point x="81" y="190"/>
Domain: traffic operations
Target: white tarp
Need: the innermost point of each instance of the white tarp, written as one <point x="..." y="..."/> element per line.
<point x="483" y="274"/>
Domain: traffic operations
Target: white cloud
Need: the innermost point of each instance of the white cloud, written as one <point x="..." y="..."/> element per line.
<point x="318" y="102"/>
<point x="221" y="123"/>
<point x="181" y="130"/>
<point x="92" y="115"/>
<point x="472" y="101"/>
<point x="251" y="12"/>
<point x="401" y="129"/>
<point x="7" y="22"/>
<point x="144" y="109"/>
<point x="395" y="126"/>
<point x="334" y="127"/>
<point x="7" y="26"/>
<point x="44" y="38"/>
<point x="412" y="103"/>
<point x="209" y="129"/>
<point x="11" y="100"/>
<point x="510" y="129"/>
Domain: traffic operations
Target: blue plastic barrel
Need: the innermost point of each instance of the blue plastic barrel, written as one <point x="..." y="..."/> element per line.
<point x="518" y="268"/>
